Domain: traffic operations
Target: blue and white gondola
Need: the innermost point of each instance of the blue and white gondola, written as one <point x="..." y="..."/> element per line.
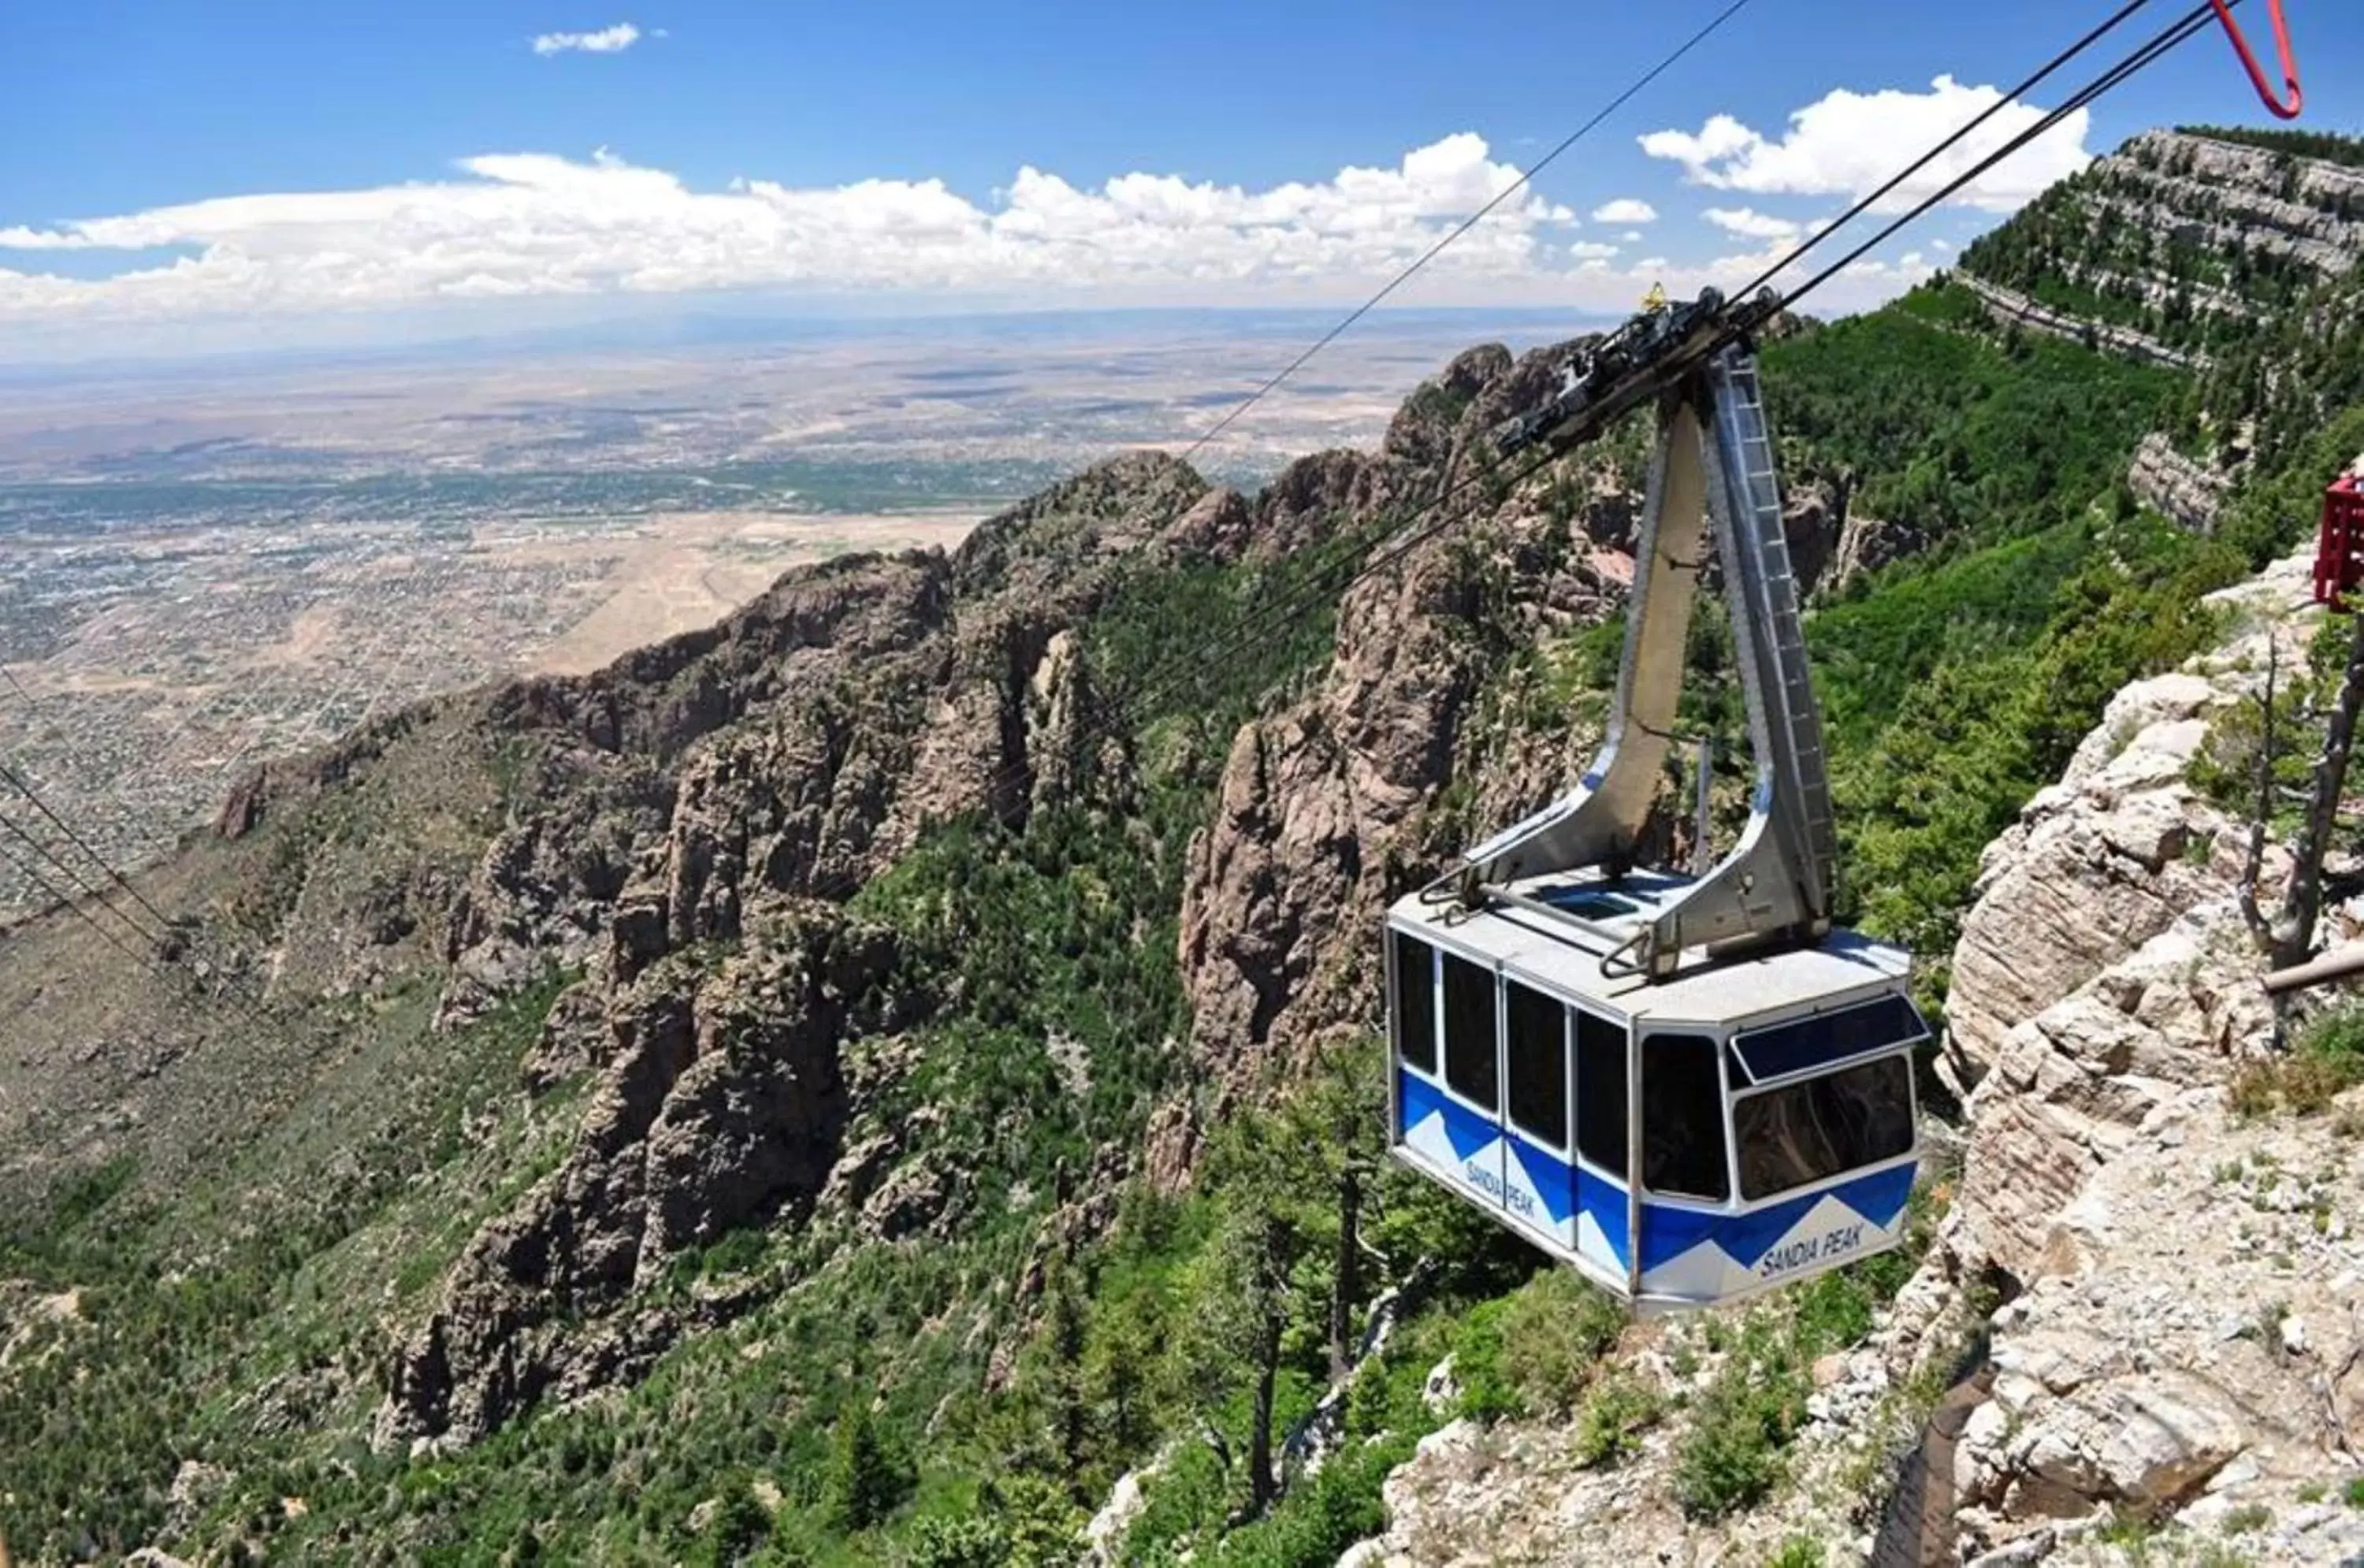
<point x="1774" y="1110"/>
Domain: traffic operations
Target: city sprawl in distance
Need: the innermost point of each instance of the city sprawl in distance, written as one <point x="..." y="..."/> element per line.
<point x="218" y="563"/>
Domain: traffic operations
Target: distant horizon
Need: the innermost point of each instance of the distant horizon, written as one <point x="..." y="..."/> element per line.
<point x="720" y="324"/>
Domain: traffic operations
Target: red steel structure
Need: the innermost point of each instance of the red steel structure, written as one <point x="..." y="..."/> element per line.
<point x="2339" y="546"/>
<point x="2277" y="104"/>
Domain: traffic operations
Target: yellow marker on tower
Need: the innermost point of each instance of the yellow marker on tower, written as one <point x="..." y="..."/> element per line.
<point x="1655" y="299"/>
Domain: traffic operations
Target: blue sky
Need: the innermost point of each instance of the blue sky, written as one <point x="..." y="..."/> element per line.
<point x="119" y="109"/>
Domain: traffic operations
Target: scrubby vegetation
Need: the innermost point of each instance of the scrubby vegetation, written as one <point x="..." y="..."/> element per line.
<point x="1734" y="1445"/>
<point x="1956" y="683"/>
<point x="2269" y="395"/>
<point x="1967" y="435"/>
<point x="162" y="1314"/>
<point x="2326" y="1058"/>
<point x="2329" y="146"/>
<point x="846" y="1419"/>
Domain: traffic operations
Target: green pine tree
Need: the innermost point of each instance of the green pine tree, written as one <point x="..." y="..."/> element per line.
<point x="867" y="1479"/>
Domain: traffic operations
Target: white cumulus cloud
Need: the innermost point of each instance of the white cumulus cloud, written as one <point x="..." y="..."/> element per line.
<point x="1750" y="224"/>
<point x="533" y="223"/>
<point x="520" y="227"/>
<point x="607" y="40"/>
<point x="1625" y="209"/>
<point x="1848" y="143"/>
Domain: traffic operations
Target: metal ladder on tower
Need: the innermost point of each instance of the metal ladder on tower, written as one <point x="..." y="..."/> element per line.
<point x="1788" y="683"/>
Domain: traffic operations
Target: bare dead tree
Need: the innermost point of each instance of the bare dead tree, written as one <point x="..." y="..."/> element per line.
<point x="2261" y="820"/>
<point x="2288" y="938"/>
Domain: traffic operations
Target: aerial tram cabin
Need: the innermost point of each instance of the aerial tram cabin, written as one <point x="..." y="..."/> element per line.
<point x="1753" y="1122"/>
<point x="1690" y="1088"/>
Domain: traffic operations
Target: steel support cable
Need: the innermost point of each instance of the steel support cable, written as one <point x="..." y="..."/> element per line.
<point x="74" y="906"/>
<point x="2026" y="86"/>
<point x="49" y="855"/>
<point x="1325" y="588"/>
<point x="178" y="979"/>
<point x="2176" y="33"/>
<point x="381" y="639"/>
<point x="1523" y="182"/>
<point x="1524" y="179"/>
<point x="91" y="891"/>
<point x="45" y="854"/>
<point x="153" y="960"/>
<point x="1466" y="224"/>
<point x="1197" y="660"/>
<point x="16" y="780"/>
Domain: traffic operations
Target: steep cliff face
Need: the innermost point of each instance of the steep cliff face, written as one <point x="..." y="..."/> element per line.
<point x="2230" y="255"/>
<point x="877" y="1006"/>
<point x="2178" y="236"/>
<point x="2186" y="1343"/>
<point x="2104" y="969"/>
<point x="798" y="749"/>
<point x="2188" y="491"/>
<point x="1327" y="808"/>
<point x="791" y="761"/>
<point x="705" y="805"/>
<point x="726" y="950"/>
<point x="721" y="1099"/>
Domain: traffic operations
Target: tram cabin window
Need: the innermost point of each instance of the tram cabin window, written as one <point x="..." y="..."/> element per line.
<point x="1682" y="1118"/>
<point x="1811" y="1131"/>
<point x="1536" y="1028"/>
<point x="1601" y="1092"/>
<point x="1415" y="1002"/>
<point x="1469" y="1064"/>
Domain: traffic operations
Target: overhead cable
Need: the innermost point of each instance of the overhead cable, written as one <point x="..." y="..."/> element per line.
<point x="1466" y="224"/>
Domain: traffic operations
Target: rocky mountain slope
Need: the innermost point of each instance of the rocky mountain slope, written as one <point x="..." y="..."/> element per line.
<point x="2186" y="238"/>
<point x="2230" y="253"/>
<point x="891" y="1077"/>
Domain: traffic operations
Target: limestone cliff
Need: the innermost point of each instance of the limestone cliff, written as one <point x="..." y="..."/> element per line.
<point x="2188" y="1338"/>
<point x="851" y="1008"/>
<point x="720" y="793"/>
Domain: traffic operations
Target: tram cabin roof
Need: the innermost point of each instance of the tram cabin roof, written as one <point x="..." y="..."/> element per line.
<point x="1559" y="957"/>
